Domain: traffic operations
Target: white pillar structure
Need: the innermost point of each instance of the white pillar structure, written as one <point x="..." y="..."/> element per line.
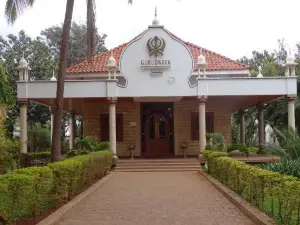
<point x="23" y="69"/>
<point x="290" y="65"/>
<point x="23" y="127"/>
<point x="112" y="127"/>
<point x="261" y="128"/>
<point x="71" y="133"/>
<point x="242" y="126"/>
<point x="51" y="122"/>
<point x="202" y="125"/>
<point x="291" y="113"/>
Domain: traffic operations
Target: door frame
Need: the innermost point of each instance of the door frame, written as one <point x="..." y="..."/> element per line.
<point x="152" y="107"/>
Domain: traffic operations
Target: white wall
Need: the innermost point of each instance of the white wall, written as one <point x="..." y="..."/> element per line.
<point x="247" y="86"/>
<point x="139" y="80"/>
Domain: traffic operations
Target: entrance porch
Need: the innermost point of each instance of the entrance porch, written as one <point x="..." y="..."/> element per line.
<point x="158" y="127"/>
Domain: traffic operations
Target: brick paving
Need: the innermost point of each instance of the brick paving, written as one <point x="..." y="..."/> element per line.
<point x="158" y="198"/>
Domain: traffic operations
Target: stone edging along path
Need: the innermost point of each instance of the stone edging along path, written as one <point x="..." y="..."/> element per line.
<point x="257" y="216"/>
<point x="58" y="214"/>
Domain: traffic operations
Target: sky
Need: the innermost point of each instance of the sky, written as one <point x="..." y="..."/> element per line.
<point x="233" y="28"/>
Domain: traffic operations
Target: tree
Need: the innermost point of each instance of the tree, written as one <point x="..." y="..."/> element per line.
<point x="41" y="63"/>
<point x="12" y="10"/>
<point x="77" y="44"/>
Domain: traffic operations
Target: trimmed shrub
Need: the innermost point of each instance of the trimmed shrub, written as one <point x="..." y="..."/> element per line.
<point x="73" y="153"/>
<point x="276" y="194"/>
<point x="33" y="159"/>
<point x="253" y="149"/>
<point x="92" y="144"/>
<point x="17" y="196"/>
<point x="72" y="175"/>
<point x="43" y="183"/>
<point x="240" y="147"/>
<point x="27" y="191"/>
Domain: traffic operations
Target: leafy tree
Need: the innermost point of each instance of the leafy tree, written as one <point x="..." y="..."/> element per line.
<point x="77" y="45"/>
<point x="40" y="60"/>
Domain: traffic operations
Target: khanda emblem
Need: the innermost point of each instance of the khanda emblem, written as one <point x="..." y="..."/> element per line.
<point x="156" y="46"/>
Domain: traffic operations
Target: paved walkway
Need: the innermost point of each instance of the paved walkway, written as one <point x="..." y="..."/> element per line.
<point x="166" y="198"/>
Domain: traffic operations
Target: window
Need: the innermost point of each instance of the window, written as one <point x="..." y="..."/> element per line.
<point x="195" y="124"/>
<point x="104" y="127"/>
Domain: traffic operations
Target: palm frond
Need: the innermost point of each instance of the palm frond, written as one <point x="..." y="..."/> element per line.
<point x="14" y="8"/>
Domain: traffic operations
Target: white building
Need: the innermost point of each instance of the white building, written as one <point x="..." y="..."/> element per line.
<point x="157" y="92"/>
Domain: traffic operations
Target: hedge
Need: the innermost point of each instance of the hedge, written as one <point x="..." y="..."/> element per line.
<point x="25" y="192"/>
<point x="33" y="158"/>
<point x="72" y="175"/>
<point x="276" y="194"/>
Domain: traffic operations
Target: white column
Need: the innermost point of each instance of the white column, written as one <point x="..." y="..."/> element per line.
<point x="291" y="113"/>
<point x="261" y="128"/>
<point x="51" y="122"/>
<point x="23" y="127"/>
<point x="71" y="133"/>
<point x="112" y="127"/>
<point x="202" y="125"/>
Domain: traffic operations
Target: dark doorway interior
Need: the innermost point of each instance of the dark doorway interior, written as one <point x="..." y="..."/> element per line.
<point x="157" y="130"/>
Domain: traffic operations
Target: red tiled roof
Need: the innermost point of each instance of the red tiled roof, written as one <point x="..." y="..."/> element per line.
<point x="215" y="61"/>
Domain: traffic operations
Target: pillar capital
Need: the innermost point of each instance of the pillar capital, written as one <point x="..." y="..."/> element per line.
<point x="112" y="100"/>
<point x="260" y="106"/>
<point x="242" y="112"/>
<point x="291" y="99"/>
<point x="23" y="102"/>
<point x="202" y="99"/>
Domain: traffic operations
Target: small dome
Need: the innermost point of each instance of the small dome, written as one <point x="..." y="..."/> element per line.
<point x="259" y="75"/>
<point x="155" y="22"/>
<point x="290" y="59"/>
<point x="111" y="63"/>
<point x="23" y="63"/>
<point x="201" y="60"/>
<point x="53" y="77"/>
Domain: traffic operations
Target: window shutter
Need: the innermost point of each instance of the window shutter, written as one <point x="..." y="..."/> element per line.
<point x="209" y="122"/>
<point x="119" y="128"/>
<point x="194" y="126"/>
<point x="209" y="117"/>
<point x="104" y="127"/>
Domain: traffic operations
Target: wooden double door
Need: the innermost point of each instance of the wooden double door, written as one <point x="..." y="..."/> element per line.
<point x="157" y="130"/>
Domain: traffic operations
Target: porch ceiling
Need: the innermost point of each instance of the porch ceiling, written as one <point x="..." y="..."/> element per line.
<point x="234" y="103"/>
<point x="76" y="105"/>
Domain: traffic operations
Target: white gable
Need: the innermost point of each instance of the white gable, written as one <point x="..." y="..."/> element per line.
<point x="156" y="64"/>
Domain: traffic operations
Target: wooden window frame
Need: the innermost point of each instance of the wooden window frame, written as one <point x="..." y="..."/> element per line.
<point x="209" y="117"/>
<point x="104" y="127"/>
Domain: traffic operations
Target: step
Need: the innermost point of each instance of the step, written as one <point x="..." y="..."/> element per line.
<point x="157" y="161"/>
<point x="159" y="167"/>
<point x="158" y="164"/>
<point x="158" y="170"/>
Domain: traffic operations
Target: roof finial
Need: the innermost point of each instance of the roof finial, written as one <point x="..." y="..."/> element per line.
<point x="259" y="72"/>
<point x="53" y="76"/>
<point x="155" y="22"/>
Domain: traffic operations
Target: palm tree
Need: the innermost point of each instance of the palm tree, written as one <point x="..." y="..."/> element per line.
<point x="13" y="9"/>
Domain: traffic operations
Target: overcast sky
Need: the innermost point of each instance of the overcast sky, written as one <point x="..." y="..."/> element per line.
<point x="230" y="27"/>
